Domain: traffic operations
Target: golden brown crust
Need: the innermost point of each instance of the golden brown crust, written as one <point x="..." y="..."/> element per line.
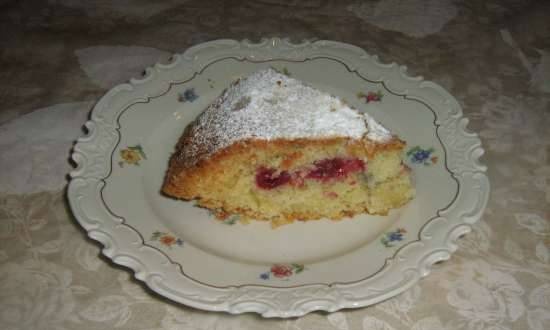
<point x="209" y="181"/>
<point x="182" y="181"/>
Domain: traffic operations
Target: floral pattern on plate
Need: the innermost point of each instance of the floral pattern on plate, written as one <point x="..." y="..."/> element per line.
<point x="188" y="95"/>
<point x="132" y="155"/>
<point x="371" y="96"/>
<point x="283" y="70"/>
<point x="166" y="239"/>
<point x="393" y="236"/>
<point x="282" y="271"/>
<point x="418" y="155"/>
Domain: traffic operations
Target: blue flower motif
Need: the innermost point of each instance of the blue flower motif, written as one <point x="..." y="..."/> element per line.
<point x="418" y="155"/>
<point x="179" y="242"/>
<point x="188" y="95"/>
<point x="395" y="236"/>
<point x="392" y="236"/>
<point x="264" y="276"/>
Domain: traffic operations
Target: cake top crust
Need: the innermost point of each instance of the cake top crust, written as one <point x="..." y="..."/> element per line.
<point x="268" y="105"/>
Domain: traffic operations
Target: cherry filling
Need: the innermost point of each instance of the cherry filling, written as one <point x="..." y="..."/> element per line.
<point x="335" y="168"/>
<point x="268" y="178"/>
<point x="323" y="170"/>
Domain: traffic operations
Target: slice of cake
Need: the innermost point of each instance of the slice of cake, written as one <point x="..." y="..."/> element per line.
<point x="273" y="148"/>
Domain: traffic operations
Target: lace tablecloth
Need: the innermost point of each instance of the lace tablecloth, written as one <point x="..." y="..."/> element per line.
<point x="59" y="57"/>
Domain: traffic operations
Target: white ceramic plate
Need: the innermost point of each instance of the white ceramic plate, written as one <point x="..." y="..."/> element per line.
<point x="184" y="254"/>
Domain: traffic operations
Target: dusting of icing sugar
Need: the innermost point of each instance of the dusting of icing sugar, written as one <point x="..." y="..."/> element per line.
<point x="376" y="131"/>
<point x="268" y="105"/>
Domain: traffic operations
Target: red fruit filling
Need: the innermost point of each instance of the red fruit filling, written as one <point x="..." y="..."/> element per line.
<point x="335" y="168"/>
<point x="268" y="178"/>
<point x="323" y="170"/>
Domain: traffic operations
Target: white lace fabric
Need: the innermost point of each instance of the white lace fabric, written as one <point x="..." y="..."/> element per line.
<point x="53" y="277"/>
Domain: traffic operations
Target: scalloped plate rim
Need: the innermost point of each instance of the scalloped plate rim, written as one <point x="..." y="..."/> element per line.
<point x="89" y="178"/>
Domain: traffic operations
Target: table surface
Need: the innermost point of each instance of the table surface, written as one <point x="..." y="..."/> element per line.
<point x="57" y="58"/>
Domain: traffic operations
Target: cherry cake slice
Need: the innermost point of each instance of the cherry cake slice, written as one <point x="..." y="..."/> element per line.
<point x="273" y="148"/>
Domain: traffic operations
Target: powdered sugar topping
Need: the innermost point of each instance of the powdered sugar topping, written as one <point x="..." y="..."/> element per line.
<point x="269" y="105"/>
